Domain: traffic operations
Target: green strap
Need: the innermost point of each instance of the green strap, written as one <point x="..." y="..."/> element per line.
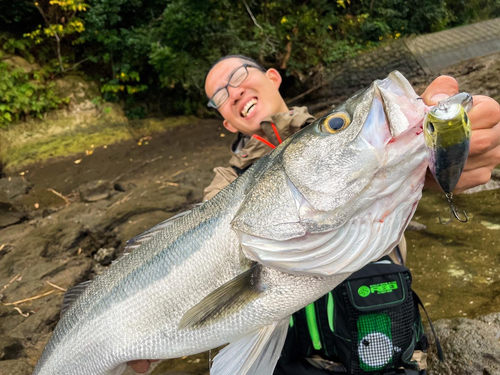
<point x="292" y="322"/>
<point x="329" y="310"/>
<point x="312" y="324"/>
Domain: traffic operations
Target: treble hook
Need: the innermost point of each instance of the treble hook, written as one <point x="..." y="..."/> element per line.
<point x="453" y="209"/>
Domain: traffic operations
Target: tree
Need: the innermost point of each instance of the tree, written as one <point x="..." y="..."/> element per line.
<point x="61" y="22"/>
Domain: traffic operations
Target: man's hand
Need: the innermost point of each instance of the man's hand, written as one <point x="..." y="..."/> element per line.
<point x="141" y="366"/>
<point x="484" y="153"/>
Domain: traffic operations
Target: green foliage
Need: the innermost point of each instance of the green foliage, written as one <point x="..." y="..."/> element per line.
<point x="18" y="16"/>
<point x="14" y="46"/>
<point x="460" y="12"/>
<point x="153" y="55"/>
<point x="25" y="95"/>
<point x="62" y="24"/>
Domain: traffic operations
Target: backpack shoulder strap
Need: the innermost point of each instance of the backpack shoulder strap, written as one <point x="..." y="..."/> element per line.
<point x="438" y="344"/>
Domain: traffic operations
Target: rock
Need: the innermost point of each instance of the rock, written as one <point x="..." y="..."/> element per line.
<point x="17" y="62"/>
<point x="38" y="323"/>
<point x="490" y="185"/>
<point x="65" y="238"/>
<point x="495" y="174"/>
<point x="9" y="215"/>
<point x="10" y="348"/>
<point x="3" y="251"/>
<point x="470" y="346"/>
<point x="105" y="256"/>
<point x="80" y="91"/>
<point x="12" y="187"/>
<point x="490" y="226"/>
<point x="95" y="191"/>
<point x="15" y="367"/>
<point x="416" y="226"/>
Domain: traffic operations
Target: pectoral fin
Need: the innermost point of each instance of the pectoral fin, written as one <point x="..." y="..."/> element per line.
<point x="253" y="354"/>
<point x="228" y="298"/>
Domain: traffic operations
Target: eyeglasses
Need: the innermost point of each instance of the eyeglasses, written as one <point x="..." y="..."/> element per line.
<point x="235" y="79"/>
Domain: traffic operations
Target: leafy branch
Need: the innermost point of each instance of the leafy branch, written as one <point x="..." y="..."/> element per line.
<point x="61" y="21"/>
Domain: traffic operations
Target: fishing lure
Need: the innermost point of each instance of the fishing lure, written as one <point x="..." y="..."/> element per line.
<point x="447" y="134"/>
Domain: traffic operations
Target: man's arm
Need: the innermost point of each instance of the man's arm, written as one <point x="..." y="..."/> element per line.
<point x="484" y="153"/>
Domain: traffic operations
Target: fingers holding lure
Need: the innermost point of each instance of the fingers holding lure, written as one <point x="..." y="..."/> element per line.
<point x="447" y="134"/>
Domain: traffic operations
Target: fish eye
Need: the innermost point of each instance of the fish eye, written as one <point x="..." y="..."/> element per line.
<point x="336" y="122"/>
<point x="430" y="127"/>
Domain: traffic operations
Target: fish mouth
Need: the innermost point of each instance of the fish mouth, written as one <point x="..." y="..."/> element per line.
<point x="395" y="109"/>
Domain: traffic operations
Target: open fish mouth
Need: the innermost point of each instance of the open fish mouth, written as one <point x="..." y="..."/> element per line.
<point x="395" y="109"/>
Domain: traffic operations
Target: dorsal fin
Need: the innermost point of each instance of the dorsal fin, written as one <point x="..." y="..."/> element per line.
<point x="150" y="233"/>
<point x="72" y="295"/>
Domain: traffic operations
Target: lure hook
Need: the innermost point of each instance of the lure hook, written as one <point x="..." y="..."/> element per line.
<point x="454" y="212"/>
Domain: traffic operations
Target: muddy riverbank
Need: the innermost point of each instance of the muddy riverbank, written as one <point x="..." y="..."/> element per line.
<point x="62" y="240"/>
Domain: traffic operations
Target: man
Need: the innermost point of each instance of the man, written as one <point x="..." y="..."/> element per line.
<point x="247" y="96"/>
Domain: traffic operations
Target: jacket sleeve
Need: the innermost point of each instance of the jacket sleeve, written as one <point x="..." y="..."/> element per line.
<point x="223" y="177"/>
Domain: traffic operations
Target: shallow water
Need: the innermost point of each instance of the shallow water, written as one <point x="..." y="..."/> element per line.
<point x="456" y="267"/>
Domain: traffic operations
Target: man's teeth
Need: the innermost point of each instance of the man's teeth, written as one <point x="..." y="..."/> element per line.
<point x="249" y="107"/>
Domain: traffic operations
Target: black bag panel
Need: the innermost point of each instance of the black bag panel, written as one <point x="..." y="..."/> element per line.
<point x="377" y="291"/>
<point x="328" y="350"/>
<point x="373" y="332"/>
<point x="304" y="343"/>
<point x="290" y="348"/>
<point x="381" y="335"/>
<point x="384" y="266"/>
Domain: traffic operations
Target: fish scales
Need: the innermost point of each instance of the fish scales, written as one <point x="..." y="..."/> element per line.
<point x="305" y="218"/>
<point x="129" y="289"/>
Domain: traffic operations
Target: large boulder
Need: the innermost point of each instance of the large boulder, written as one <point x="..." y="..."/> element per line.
<point x="470" y="346"/>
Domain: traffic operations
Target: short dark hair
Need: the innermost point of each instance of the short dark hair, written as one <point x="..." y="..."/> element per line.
<point x="241" y="57"/>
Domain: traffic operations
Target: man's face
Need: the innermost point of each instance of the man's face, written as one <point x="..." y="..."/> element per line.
<point x="256" y="98"/>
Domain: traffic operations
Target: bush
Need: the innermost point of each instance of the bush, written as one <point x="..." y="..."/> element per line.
<point x="24" y="95"/>
<point x="152" y="55"/>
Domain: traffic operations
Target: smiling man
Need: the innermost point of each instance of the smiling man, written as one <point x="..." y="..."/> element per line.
<point x="247" y="96"/>
<point x="244" y="93"/>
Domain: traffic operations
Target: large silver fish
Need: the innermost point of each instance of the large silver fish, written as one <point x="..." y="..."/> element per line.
<point x="327" y="201"/>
